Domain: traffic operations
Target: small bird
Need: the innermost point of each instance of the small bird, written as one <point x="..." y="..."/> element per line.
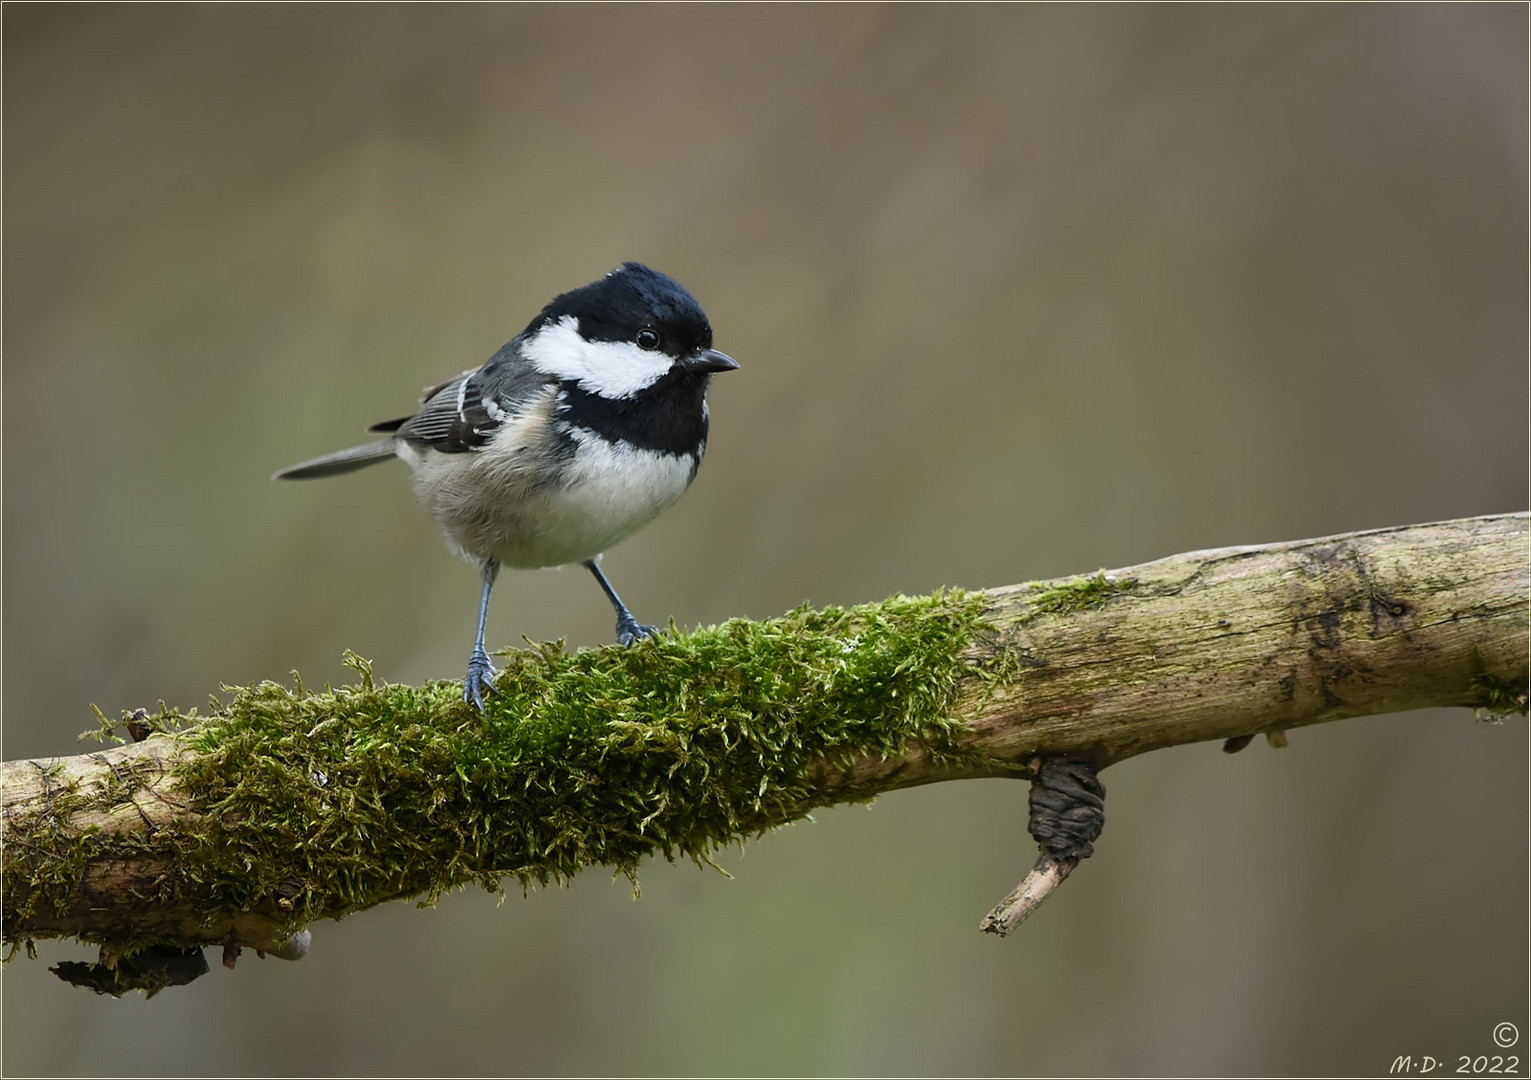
<point x="575" y="435"/>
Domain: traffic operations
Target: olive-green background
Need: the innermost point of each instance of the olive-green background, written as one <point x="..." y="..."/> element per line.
<point x="1018" y="292"/>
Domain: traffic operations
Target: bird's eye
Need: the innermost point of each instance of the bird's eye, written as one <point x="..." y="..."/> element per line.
<point x="647" y="339"/>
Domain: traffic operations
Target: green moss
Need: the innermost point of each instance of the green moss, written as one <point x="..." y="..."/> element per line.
<point x="326" y="803"/>
<point x="1079" y="593"/>
<point x="1496" y="698"/>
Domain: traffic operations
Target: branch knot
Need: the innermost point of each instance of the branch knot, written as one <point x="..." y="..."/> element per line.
<point x="1068" y="808"/>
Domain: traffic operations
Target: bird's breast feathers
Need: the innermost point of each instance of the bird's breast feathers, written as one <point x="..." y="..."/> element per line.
<point x="542" y="492"/>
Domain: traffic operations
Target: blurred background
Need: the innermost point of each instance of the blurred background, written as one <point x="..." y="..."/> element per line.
<point x="1018" y="292"/>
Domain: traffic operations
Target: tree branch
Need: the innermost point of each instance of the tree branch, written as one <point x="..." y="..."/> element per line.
<point x="287" y="806"/>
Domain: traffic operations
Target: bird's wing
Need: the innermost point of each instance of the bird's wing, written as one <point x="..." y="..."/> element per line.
<point x="464" y="413"/>
<point x="425" y="396"/>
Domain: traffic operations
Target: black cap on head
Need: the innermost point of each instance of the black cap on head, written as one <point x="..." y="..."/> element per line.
<point x="629" y="299"/>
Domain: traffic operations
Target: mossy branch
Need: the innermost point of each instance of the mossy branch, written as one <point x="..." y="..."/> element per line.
<point x="287" y="806"/>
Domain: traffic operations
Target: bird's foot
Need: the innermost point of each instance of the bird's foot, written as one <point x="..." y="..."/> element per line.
<point x="630" y="629"/>
<point x="481" y="676"/>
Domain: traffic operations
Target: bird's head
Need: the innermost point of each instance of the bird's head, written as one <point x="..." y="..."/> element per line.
<point x="620" y="335"/>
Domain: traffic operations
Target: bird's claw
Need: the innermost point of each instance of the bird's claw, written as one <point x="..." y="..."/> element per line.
<point x="630" y="630"/>
<point x="481" y="676"/>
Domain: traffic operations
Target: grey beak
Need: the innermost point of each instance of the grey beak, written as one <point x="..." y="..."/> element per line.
<point x="710" y="360"/>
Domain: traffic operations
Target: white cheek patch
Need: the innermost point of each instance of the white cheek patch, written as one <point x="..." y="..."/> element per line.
<point x="612" y="369"/>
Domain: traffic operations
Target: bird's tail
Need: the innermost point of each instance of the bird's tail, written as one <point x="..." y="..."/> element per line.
<point x="341" y="461"/>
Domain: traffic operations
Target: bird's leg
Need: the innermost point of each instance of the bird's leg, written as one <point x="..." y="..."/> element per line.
<point x="629" y="629"/>
<point x="481" y="672"/>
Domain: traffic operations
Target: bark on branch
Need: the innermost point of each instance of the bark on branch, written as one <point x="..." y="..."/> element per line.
<point x="287" y="806"/>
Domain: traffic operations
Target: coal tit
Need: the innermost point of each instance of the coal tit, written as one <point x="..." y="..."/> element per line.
<point x="573" y="436"/>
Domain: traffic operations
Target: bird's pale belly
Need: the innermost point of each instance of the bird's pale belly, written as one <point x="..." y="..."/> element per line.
<point x="607" y="493"/>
